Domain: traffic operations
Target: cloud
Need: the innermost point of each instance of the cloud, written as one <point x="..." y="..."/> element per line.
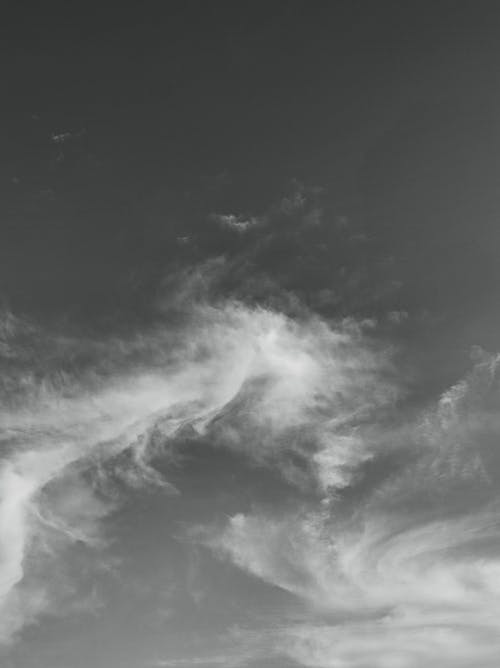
<point x="408" y="573"/>
<point x="395" y="537"/>
<point x="391" y="645"/>
<point x="307" y="390"/>
<point x="84" y="418"/>
<point x="63" y="137"/>
<point x="237" y="223"/>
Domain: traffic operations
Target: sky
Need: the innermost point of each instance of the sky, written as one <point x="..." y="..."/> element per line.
<point x="250" y="335"/>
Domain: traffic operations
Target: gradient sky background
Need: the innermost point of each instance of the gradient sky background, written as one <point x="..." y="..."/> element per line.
<point x="249" y="323"/>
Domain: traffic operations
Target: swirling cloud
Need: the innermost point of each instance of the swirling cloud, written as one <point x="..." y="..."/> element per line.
<point x="409" y="574"/>
<point x="252" y="379"/>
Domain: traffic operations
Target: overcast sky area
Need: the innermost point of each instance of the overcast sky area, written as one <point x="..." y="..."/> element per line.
<point x="250" y="335"/>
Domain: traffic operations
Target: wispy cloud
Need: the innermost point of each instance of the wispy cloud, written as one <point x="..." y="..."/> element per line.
<point x="397" y="539"/>
<point x="410" y="573"/>
<point x="226" y="370"/>
<point x="237" y="223"/>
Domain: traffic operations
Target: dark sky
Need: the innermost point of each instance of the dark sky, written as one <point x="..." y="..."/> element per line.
<point x="172" y="114"/>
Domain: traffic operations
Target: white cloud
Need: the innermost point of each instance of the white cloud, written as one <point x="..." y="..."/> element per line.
<point x="409" y="555"/>
<point x="386" y="644"/>
<point x="229" y="369"/>
<point x="410" y="573"/>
